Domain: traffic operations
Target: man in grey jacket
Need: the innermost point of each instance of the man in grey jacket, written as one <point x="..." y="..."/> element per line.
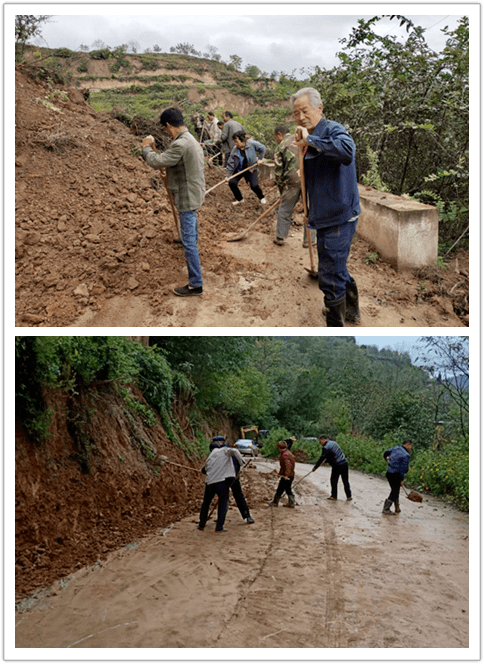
<point x="230" y="127"/>
<point x="184" y="164"/>
<point x="218" y="467"/>
<point x="333" y="454"/>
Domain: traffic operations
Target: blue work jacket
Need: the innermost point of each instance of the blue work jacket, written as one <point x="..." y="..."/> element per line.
<point x="330" y="172"/>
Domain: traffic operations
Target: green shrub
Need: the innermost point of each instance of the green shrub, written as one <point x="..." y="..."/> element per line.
<point x="270" y="443"/>
<point x="63" y="53"/>
<point x="443" y="473"/>
<point x="100" y="54"/>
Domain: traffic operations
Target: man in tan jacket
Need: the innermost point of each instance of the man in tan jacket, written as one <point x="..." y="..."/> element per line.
<point x="184" y="164"/>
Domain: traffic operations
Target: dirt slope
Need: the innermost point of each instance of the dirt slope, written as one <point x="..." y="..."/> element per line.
<point x="324" y="575"/>
<point x="94" y="241"/>
<point x="66" y="518"/>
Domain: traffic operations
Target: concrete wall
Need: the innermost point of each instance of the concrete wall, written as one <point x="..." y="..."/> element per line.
<point x="403" y="231"/>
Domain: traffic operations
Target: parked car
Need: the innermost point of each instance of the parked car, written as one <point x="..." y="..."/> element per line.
<point x="246" y="446"/>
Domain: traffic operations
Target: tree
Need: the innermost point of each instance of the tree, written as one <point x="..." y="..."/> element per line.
<point x="98" y="44"/>
<point x="156" y="48"/>
<point x="185" y="48"/>
<point x="252" y="71"/>
<point x="235" y="61"/>
<point x="133" y="46"/>
<point x="212" y="53"/>
<point x="27" y="26"/>
<point x="407" y="109"/>
<point x="446" y="359"/>
<point x="84" y="48"/>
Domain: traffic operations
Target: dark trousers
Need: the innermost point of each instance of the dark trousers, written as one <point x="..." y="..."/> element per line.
<point x="221" y="490"/>
<point x="337" y="471"/>
<point x="238" y="496"/>
<point x="252" y="179"/>
<point x="394" y="480"/>
<point x="284" y="485"/>
<point x="334" y="244"/>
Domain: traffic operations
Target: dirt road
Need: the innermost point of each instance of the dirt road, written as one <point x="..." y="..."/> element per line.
<point x="94" y="243"/>
<point x="322" y="575"/>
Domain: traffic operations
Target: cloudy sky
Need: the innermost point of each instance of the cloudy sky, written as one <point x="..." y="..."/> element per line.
<point x="282" y="38"/>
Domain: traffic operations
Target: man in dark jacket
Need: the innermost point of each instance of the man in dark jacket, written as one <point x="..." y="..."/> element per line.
<point x="398" y="459"/>
<point x="333" y="201"/>
<point x="246" y="152"/>
<point x="230" y="127"/>
<point x="233" y="482"/>
<point x="333" y="454"/>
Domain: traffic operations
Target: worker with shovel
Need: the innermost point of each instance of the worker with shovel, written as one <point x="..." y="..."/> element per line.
<point x="287" y="467"/>
<point x="218" y="467"/>
<point x="333" y="202"/>
<point x="184" y="164"/>
<point x="398" y="459"/>
<point x="333" y="454"/>
<point x="233" y="483"/>
<point x="288" y="182"/>
<point x="245" y="153"/>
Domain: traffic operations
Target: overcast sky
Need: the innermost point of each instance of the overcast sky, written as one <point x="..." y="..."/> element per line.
<point x="286" y="41"/>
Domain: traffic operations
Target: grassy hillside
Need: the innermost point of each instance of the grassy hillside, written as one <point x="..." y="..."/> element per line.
<point x="141" y="84"/>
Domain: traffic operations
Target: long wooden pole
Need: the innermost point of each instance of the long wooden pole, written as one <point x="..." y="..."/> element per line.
<point x="232" y="176"/>
<point x="305" y="203"/>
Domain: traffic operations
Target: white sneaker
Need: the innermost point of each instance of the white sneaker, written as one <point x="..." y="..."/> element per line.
<point x="263" y="201"/>
<point x="236" y="202"/>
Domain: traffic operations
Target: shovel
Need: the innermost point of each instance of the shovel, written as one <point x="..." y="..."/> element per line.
<point x="311" y="271"/>
<point x="242" y="236"/>
<point x="163" y="459"/>
<point x="413" y="495"/>
<point x="232" y="176"/>
<point x="302" y="478"/>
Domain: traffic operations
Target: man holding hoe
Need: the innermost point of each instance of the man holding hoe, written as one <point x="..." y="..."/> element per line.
<point x="333" y="201"/>
<point x="184" y="164"/>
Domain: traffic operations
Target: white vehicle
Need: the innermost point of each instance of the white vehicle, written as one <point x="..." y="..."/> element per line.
<point x="246" y="446"/>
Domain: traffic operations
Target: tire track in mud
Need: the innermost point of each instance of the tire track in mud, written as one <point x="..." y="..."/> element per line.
<point x="250" y="582"/>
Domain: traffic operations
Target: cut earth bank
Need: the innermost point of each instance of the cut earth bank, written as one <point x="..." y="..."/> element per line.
<point x="94" y="242"/>
<point x="322" y="575"/>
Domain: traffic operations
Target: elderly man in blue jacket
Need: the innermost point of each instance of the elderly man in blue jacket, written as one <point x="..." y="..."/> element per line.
<point x="398" y="459"/>
<point x="333" y="201"/>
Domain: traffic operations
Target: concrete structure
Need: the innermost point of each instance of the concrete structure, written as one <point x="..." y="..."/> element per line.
<point x="404" y="231"/>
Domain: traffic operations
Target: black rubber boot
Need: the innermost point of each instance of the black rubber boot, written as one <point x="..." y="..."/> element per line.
<point x="335" y="311"/>
<point x="275" y="501"/>
<point x="386" y="507"/>
<point x="352" y="303"/>
<point x="292" y="501"/>
<point x="397" y="507"/>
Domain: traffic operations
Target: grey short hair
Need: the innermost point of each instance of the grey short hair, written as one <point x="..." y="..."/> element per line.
<point x="311" y="93"/>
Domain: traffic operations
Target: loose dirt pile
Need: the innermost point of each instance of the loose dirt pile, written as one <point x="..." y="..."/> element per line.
<point x="322" y="575"/>
<point x="98" y="483"/>
<point x="95" y="241"/>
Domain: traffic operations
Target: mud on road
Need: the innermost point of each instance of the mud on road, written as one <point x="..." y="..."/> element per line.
<point x="322" y="575"/>
<point x="94" y="241"/>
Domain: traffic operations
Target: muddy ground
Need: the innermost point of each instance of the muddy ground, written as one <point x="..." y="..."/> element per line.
<point x="94" y="241"/>
<point x="322" y="575"/>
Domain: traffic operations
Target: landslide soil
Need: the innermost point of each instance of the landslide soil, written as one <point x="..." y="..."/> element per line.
<point x="94" y="241"/>
<point x="322" y="575"/>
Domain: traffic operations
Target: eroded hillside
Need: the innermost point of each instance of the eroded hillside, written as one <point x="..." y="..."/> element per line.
<point x="100" y="481"/>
